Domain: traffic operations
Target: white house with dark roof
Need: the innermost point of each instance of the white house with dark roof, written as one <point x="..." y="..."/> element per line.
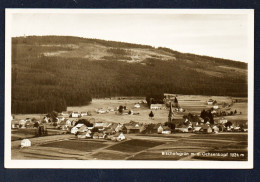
<point x="156" y="106"/>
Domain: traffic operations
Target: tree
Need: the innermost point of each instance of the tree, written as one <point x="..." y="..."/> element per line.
<point x="176" y="102"/>
<point x="154" y="99"/>
<point x="203" y="114"/>
<point x="235" y="111"/>
<point x="53" y="115"/>
<point x="120" y="109"/>
<point x="170" y="125"/>
<point x="241" y="127"/>
<point x="228" y="124"/>
<point x="85" y="122"/>
<point x="207" y="116"/>
<point x="170" y="116"/>
<point x="151" y="115"/>
<point x="36" y="124"/>
<point x="94" y="130"/>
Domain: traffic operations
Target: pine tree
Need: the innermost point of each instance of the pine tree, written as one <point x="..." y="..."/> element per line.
<point x="151" y="115"/>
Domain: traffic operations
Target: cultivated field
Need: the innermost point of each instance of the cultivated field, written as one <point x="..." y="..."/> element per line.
<point x="138" y="147"/>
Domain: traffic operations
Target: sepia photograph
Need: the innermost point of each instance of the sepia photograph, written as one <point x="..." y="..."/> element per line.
<point x="129" y="88"/>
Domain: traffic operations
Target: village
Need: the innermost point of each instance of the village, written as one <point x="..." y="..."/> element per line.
<point x="84" y="125"/>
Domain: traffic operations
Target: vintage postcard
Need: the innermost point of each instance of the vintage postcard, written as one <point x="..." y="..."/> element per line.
<point x="121" y="88"/>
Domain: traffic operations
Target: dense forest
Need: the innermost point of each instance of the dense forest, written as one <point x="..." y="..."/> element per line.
<point x="53" y="72"/>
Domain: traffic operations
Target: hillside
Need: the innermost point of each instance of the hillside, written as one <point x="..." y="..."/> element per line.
<point x="53" y="72"/>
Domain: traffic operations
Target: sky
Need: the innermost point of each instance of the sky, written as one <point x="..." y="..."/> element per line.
<point x="217" y="35"/>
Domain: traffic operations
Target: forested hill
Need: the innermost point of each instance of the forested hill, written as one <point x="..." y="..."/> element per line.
<point x="52" y="72"/>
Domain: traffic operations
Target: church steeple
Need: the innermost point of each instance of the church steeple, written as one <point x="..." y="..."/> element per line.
<point x="170" y="116"/>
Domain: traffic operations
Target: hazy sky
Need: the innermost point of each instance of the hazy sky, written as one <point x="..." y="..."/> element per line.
<point x="218" y="35"/>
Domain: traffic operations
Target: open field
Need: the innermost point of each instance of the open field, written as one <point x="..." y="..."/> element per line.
<point x="191" y="103"/>
<point x="136" y="147"/>
<point x="22" y="133"/>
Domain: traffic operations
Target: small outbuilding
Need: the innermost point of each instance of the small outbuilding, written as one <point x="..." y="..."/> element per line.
<point x="26" y="143"/>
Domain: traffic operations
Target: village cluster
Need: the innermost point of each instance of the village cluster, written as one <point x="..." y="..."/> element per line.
<point x="82" y="125"/>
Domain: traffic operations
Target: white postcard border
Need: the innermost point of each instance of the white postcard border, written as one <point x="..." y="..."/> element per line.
<point x="123" y="164"/>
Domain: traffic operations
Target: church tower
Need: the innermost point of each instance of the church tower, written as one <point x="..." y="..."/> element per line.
<point x="170" y="116"/>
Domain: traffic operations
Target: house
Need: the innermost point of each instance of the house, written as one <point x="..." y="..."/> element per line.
<point x="65" y="113"/>
<point x="213" y="112"/>
<point x="166" y="130"/>
<point x="215" y="107"/>
<point x="152" y="128"/>
<point x="75" y="114"/>
<point x="110" y="109"/>
<point x="83" y="114"/>
<point x="160" y="129"/>
<point x="113" y="126"/>
<point x="45" y="119"/>
<point x="119" y="127"/>
<point x="90" y="127"/>
<point x="230" y="128"/>
<point x="88" y="134"/>
<point x="130" y="112"/>
<point x="75" y="129"/>
<point x="215" y="129"/>
<point x="60" y="118"/>
<point x="95" y="135"/>
<point x="101" y="111"/>
<point x="197" y="129"/>
<point x="190" y="128"/>
<point x="15" y="124"/>
<point x="156" y="106"/>
<point x="133" y="123"/>
<point x="137" y="106"/>
<point x="82" y="134"/>
<point x="118" y="137"/>
<point x="99" y="125"/>
<point x="181" y="109"/>
<point x="183" y="130"/>
<point x="83" y="128"/>
<point x="29" y="124"/>
<point x="210" y="102"/>
<point x="106" y="125"/>
<point x="22" y="123"/>
<point x="25" y="143"/>
<point x="223" y="120"/>
<point x="169" y="96"/>
<point x="101" y="135"/>
<point x="74" y="122"/>
<point x="206" y="129"/>
<point x="64" y="127"/>
<point x="68" y="122"/>
<point x="237" y="128"/>
<point x="109" y="131"/>
<point x="65" y="124"/>
<point x="128" y="128"/>
<point x="144" y="101"/>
